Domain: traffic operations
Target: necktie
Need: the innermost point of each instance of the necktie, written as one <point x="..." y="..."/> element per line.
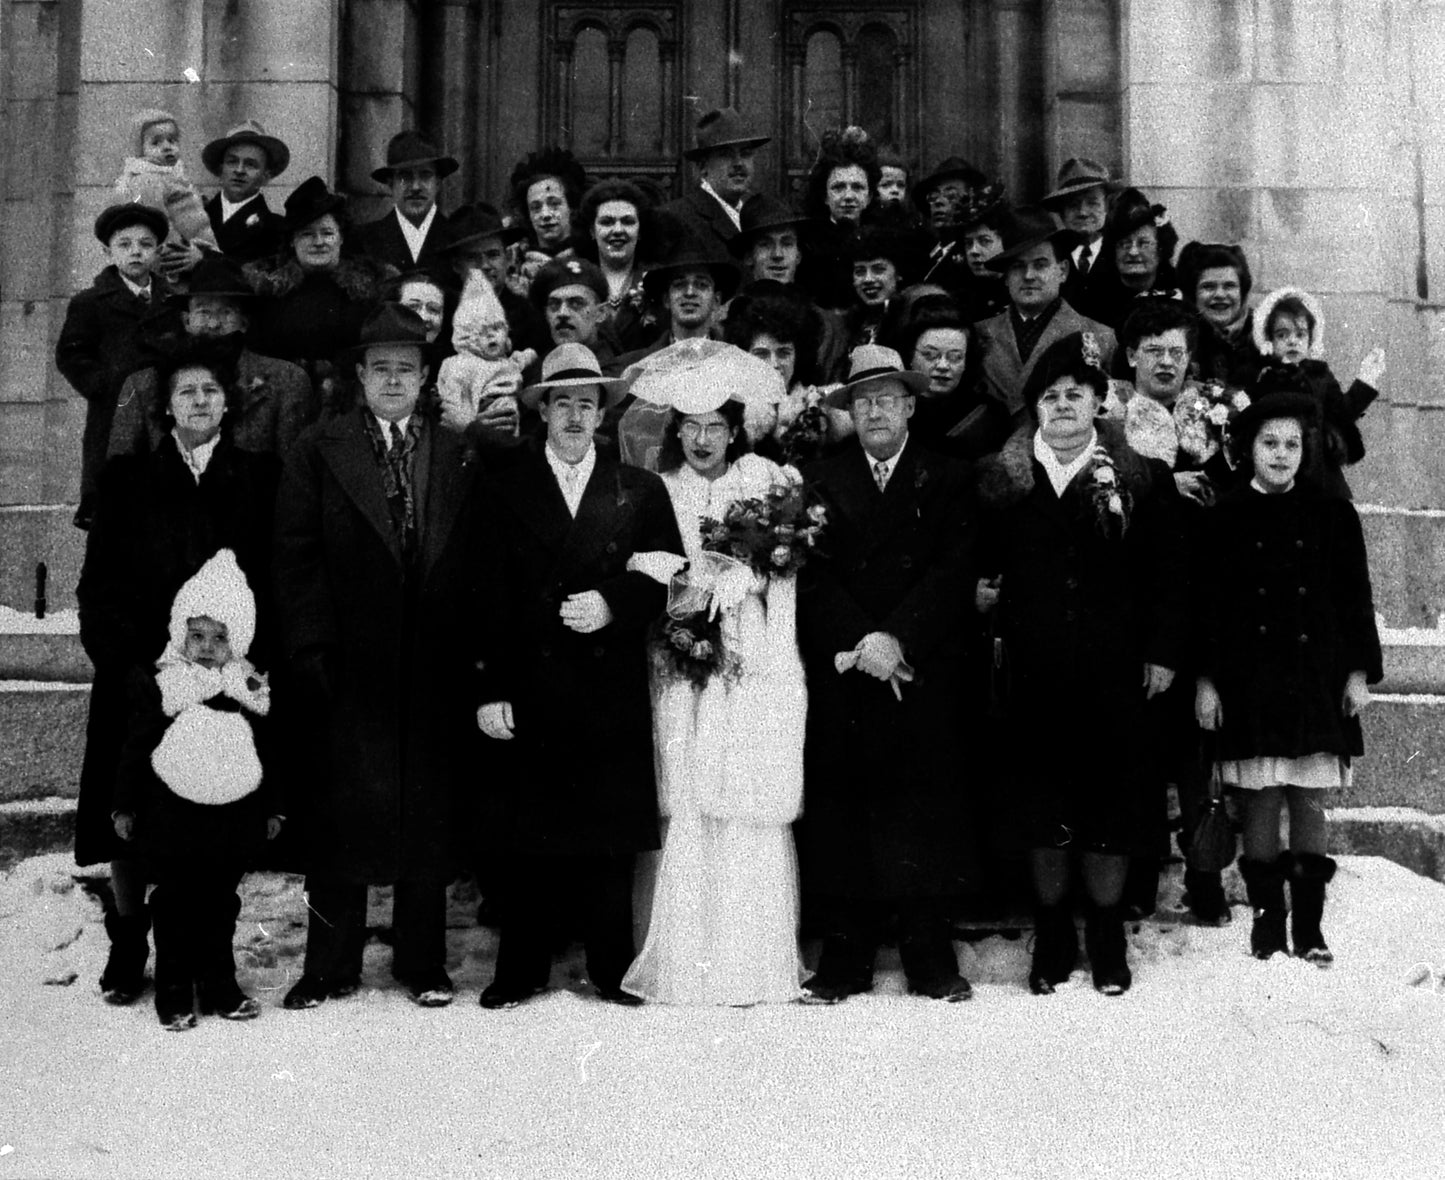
<point x="398" y="440"/>
<point x="880" y="474"/>
<point x="1084" y="263"/>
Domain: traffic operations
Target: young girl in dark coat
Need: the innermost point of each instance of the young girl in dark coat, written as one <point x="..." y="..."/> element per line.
<point x="191" y="793"/>
<point x="1290" y="646"/>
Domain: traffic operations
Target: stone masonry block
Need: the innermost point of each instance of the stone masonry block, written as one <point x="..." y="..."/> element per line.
<point x="1317" y="135"/>
<point x="1406" y="552"/>
<point x="270" y="40"/>
<point x="1090" y="58"/>
<point x="27" y="357"/>
<point x="42" y="757"/>
<point x="1194" y="135"/>
<point x="146" y="41"/>
<point x="32" y="535"/>
<point x="301" y="113"/>
<point x="32" y="52"/>
<point x="26" y="259"/>
<point x="380" y="46"/>
<point x="22" y="452"/>
<point x="105" y="136"/>
<point x="1189" y="42"/>
<point x="64" y="424"/>
<point x="1321" y="41"/>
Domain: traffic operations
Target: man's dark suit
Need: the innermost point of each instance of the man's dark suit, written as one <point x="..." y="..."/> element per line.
<point x="250" y="234"/>
<point x="703" y="216"/>
<point x="383" y="240"/>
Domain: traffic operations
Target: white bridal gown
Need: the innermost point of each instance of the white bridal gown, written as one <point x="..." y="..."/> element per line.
<point x="724" y="924"/>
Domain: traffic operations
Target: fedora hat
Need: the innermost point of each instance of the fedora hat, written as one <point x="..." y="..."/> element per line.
<point x="1077" y="175"/>
<point x="407" y="149"/>
<point x="953" y="168"/>
<point x="569" y="366"/>
<point x="389" y="323"/>
<point x="477" y="222"/>
<point x="312" y="199"/>
<point x="869" y="363"/>
<point x="1026" y="228"/>
<point x="216" y="274"/>
<point x="760" y="215"/>
<point x="278" y="155"/>
<point x="720" y="129"/>
<point x="694" y="253"/>
<point x="126" y="213"/>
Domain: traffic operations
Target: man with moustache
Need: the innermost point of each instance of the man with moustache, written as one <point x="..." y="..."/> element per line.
<point x="1034" y="263"/>
<point x="882" y="619"/>
<point x="725" y="153"/>
<point x="246" y="159"/>
<point x="415" y="231"/>
<point x="563" y="685"/>
<point x="570" y="292"/>
<point x="368" y="567"/>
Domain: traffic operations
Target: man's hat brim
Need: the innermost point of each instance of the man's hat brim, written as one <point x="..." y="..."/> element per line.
<point x="999" y="263"/>
<point x="724" y="271"/>
<point x="444" y="165"/>
<point x="131" y="213"/>
<point x="213" y="155"/>
<point x="1082" y="185"/>
<point x="613" y="388"/>
<point x="702" y="153"/>
<point x="842" y="397"/>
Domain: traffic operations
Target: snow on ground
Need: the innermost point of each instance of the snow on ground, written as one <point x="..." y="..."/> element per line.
<point x="1215" y="1065"/>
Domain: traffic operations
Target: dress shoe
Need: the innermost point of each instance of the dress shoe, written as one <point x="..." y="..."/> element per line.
<point x="431" y="989"/>
<point x="953" y="990"/>
<point x="175" y="1008"/>
<point x="615" y="995"/>
<point x="498" y="995"/>
<point x="826" y="989"/>
<point x="308" y="992"/>
<point x="226" y="1000"/>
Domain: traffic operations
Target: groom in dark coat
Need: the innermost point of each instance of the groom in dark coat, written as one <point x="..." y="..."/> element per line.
<point x="882" y="623"/>
<point x="564" y="685"/>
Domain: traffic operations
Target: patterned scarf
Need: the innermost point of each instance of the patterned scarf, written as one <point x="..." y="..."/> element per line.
<point x="396" y="463"/>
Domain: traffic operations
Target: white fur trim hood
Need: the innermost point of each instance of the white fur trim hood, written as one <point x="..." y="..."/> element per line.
<point x="1266" y="306"/>
<point x="218" y="590"/>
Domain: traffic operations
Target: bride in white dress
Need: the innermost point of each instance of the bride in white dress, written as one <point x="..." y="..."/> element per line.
<point x="724" y="923"/>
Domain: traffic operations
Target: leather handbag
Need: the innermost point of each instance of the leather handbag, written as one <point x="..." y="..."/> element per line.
<point x="1211" y="846"/>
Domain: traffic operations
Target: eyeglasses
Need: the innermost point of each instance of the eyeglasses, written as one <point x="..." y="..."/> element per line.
<point x="887" y="402"/>
<point x="1155" y="353"/>
<point x="692" y="431"/>
<point x="931" y="356"/>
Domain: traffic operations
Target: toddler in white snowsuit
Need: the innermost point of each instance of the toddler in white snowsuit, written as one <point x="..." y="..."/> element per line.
<point x="156" y="177"/>
<point x="484" y="351"/>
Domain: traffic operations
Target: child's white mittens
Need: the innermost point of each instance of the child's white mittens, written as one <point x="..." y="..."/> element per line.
<point x="184" y="685"/>
<point x="1372" y="368"/>
<point x="241" y="683"/>
<point x="524" y="357"/>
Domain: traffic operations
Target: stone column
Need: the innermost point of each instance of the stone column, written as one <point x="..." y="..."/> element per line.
<point x="380" y="61"/>
<point x="1081" y="84"/>
<point x="451" y="103"/>
<point x="1017" y="68"/>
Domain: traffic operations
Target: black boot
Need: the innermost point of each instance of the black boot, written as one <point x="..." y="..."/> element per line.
<point x="1308" y="877"/>
<point x="1107" y="948"/>
<point x="1056" y="948"/>
<point x="123" y="979"/>
<point x="1204" y="894"/>
<point x="175" y="991"/>
<point x="1264" y="883"/>
<point x="219" y="993"/>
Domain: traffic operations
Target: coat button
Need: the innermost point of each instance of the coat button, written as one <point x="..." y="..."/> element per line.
<point x="1301" y="591"/>
<point x="1261" y="591"/>
<point x="862" y="563"/>
<point x="1304" y="638"/>
<point x="611" y="546"/>
<point x="1259" y="544"/>
<point x="546" y="653"/>
<point x="1299" y="544"/>
<point x="1262" y="628"/>
<point x="599" y="651"/>
<point x="907" y="562"/>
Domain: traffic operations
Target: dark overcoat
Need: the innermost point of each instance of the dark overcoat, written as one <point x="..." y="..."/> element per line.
<point x="252" y="233"/>
<point x="1080" y="613"/>
<point x="887" y="800"/>
<point x="383" y="240"/>
<point x="373" y="641"/>
<point x="703" y="216"/>
<point x="274" y="405"/>
<point x="155" y="527"/>
<point x="1289" y="615"/>
<point x="312" y="316"/>
<point x="578" y="778"/>
<point x="103" y="340"/>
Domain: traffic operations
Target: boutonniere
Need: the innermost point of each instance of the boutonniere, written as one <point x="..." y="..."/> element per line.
<point x="254" y="387"/>
<point x="253" y="221"/>
<point x="920" y="478"/>
<point x="1109" y="496"/>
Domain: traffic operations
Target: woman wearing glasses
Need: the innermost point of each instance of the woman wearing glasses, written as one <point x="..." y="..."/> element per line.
<point x="724" y="922"/>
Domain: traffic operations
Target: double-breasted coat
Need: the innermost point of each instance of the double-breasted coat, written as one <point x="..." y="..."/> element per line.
<point x="578" y="777"/>
<point x="156" y="525"/>
<point x="1288" y="615"/>
<point x="380" y="677"/>
<point x="251" y="233"/>
<point x="888" y="800"/>
<point x="1080" y="613"/>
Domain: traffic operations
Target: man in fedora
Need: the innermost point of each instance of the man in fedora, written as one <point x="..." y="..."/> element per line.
<point x="942" y="194"/>
<point x="692" y="283"/>
<point x="767" y="245"/>
<point x="245" y="160"/>
<point x="1034" y="263"/>
<point x="476" y="245"/>
<point x="370" y="525"/>
<point x="563" y="678"/>
<point x="415" y="230"/>
<point x="882" y="614"/>
<point x="724" y="154"/>
<point x="275" y="400"/>
<point x="1081" y="199"/>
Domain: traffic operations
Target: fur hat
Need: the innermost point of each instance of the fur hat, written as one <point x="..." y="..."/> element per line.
<point x="148" y="117"/>
<point x="1266" y="309"/>
<point x="311" y="201"/>
<point x="218" y="590"/>
<point x="567" y="272"/>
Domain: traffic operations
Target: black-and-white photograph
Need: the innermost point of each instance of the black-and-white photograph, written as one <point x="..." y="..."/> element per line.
<point x="722" y="588"/>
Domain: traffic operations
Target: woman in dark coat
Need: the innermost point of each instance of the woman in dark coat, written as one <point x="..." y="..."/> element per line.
<point x="315" y="298"/>
<point x="1137" y="257"/>
<point x="1290" y="645"/>
<point x="1082" y="534"/>
<point x="161" y="516"/>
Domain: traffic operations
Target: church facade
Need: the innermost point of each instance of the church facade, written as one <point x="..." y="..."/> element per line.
<point x="1309" y="131"/>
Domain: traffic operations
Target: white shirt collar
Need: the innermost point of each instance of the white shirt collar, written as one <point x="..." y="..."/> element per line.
<point x="384" y="424"/>
<point x="143" y="292"/>
<point x="415" y="235"/>
<point x="1061" y="473"/>
<point x="734" y="212"/>
<point x="198" y="459"/>
<point x="229" y="209"/>
<point x="1091" y="249"/>
<point x="571" y="477"/>
<point x="889" y="465"/>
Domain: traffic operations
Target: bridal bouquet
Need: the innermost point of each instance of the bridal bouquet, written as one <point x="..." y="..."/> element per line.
<point x="774" y="533"/>
<point x="1202" y="413"/>
<point x="691" y="646"/>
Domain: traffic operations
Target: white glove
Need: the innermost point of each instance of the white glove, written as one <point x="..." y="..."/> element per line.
<point x="495" y="720"/>
<point x="586" y="612"/>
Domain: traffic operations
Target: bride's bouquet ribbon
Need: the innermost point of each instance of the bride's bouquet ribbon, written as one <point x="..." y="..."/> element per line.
<point x="714" y="582"/>
<point x="846" y="661"/>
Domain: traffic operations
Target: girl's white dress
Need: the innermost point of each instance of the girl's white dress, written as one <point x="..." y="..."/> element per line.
<point x="724" y="922"/>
